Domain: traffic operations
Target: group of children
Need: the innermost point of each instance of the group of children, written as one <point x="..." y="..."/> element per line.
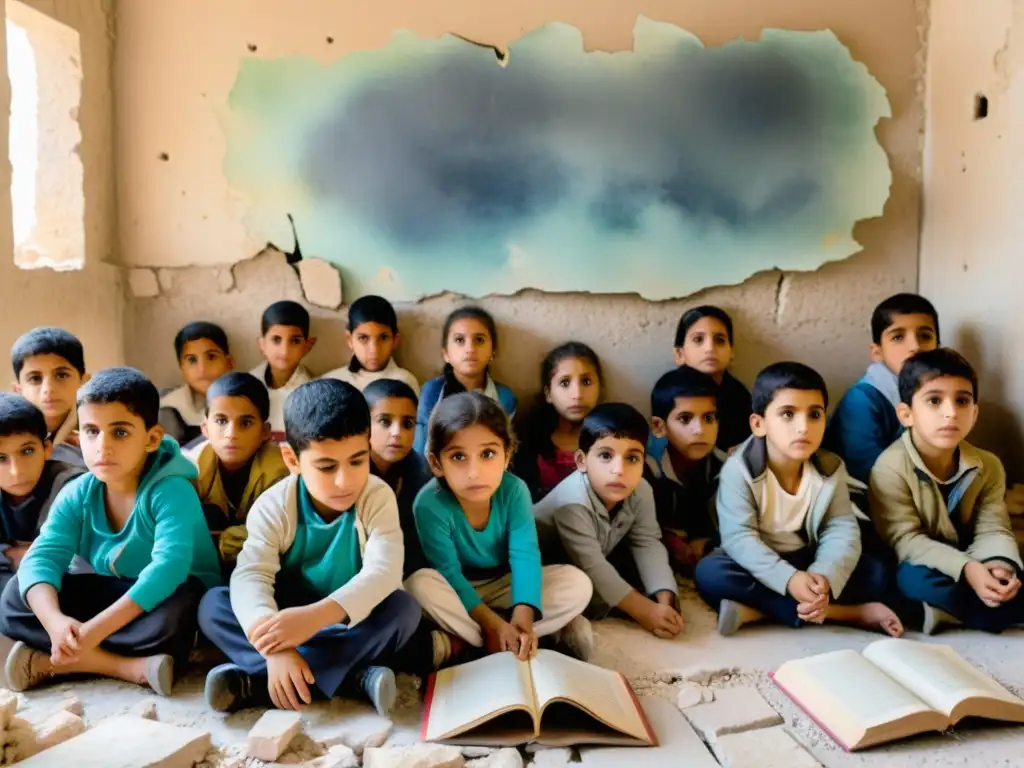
<point x="364" y="524"/>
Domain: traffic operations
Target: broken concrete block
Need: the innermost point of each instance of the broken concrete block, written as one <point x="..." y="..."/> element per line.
<point x="272" y="734"/>
<point x="690" y="695"/>
<point x="678" y="744"/>
<point x="766" y="748"/>
<point x="556" y="757"/>
<point x="127" y="742"/>
<point x="474" y="752"/>
<point x="338" y="756"/>
<point x="8" y="706"/>
<point x="143" y="283"/>
<point x="734" y="710"/>
<point x="321" y="283"/>
<point x="419" y="756"/>
<point x="57" y="728"/>
<point x="503" y="758"/>
<point x="71" y="704"/>
<point x="360" y="731"/>
<point x="145" y="709"/>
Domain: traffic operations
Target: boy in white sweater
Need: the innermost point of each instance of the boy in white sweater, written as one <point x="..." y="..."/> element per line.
<point x="315" y="606"/>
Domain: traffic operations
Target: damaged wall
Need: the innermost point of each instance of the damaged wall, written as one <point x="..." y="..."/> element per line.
<point x="88" y="302"/>
<point x="177" y="211"/>
<point x="972" y="246"/>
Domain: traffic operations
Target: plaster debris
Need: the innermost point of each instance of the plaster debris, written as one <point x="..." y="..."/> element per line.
<point x="338" y="756"/>
<point x="733" y="711"/>
<point x="145" y="709"/>
<point x="691" y="694"/>
<point x="502" y="758"/>
<point x="143" y="283"/>
<point x="71" y="704"/>
<point x="556" y="757"/>
<point x="57" y="728"/>
<point x="470" y="751"/>
<point x="272" y="734"/>
<point x="360" y="731"/>
<point x="420" y="756"/>
<point x="321" y="283"/>
<point x="767" y="748"/>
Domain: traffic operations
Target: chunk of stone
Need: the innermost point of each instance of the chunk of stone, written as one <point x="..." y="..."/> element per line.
<point x="734" y="710"/>
<point x="419" y="756"/>
<point x="56" y="729"/>
<point x="71" y="704"/>
<point x="272" y="734"/>
<point x="690" y="695"/>
<point x="765" y="748"/>
<point x="503" y="758"/>
<point x="360" y="731"/>
<point x="557" y="757"/>
<point x="145" y="709"/>
<point x="338" y="756"/>
<point x="321" y="283"/>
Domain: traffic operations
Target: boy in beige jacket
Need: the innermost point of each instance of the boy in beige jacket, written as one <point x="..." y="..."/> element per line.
<point x="938" y="501"/>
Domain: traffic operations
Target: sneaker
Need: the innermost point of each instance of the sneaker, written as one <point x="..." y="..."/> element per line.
<point x="228" y="689"/>
<point x="578" y="637"/>
<point x="378" y="683"/>
<point x="160" y="673"/>
<point x="934" y="620"/>
<point x="728" y="618"/>
<point x="24" y="668"/>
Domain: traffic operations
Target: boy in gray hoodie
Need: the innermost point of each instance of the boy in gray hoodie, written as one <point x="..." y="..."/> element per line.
<point x="791" y="549"/>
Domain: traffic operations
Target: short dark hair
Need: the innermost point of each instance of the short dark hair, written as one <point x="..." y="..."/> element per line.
<point x="463" y="410"/>
<point x="20" y="417"/>
<point x="324" y="409"/>
<point x="48" y="341"/>
<point x="127" y="386"/>
<point x="691" y="316"/>
<point x="382" y="389"/>
<point x="680" y="382"/>
<point x="901" y="304"/>
<point x="617" y="420"/>
<point x="372" y="309"/>
<point x="787" y="375"/>
<point x="923" y="367"/>
<point x="238" y="384"/>
<point x="201" y="329"/>
<point x="289" y="313"/>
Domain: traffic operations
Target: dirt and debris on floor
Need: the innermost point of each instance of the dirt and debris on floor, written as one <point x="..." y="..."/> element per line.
<point x="693" y="671"/>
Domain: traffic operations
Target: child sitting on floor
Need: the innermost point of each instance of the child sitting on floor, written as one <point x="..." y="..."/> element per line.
<point x="49" y="367"/>
<point x="284" y="341"/>
<point x="469" y="341"/>
<point x="372" y="336"/>
<point x="602" y="519"/>
<point x="238" y="461"/>
<point x="938" y="501"/>
<point x="791" y="546"/>
<point x="684" y="407"/>
<point x="570" y="387"/>
<point x="864" y="422"/>
<point x="203" y="356"/>
<point x="476" y="524"/>
<point x="392" y="427"/>
<point x="315" y="606"/>
<point x="704" y="340"/>
<point x="29" y="479"/>
<point x="135" y="518"/>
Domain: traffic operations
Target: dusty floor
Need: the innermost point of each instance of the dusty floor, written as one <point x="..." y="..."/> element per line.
<point x="746" y="658"/>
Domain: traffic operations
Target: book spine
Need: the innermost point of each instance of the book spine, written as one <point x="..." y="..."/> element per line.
<point x="810" y="714"/>
<point x="427" y="701"/>
<point x="652" y="737"/>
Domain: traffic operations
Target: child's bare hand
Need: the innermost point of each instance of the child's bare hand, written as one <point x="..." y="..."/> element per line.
<point x="985" y="585"/>
<point x="285" y="629"/>
<point x="1007" y="576"/>
<point x="522" y="619"/>
<point x="502" y="636"/>
<point x="661" y="620"/>
<point x="63" y="633"/>
<point x="15" y="553"/>
<point x="803" y="588"/>
<point x="288" y="680"/>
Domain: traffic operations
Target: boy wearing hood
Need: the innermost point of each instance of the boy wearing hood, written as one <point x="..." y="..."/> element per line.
<point x="136" y="519"/>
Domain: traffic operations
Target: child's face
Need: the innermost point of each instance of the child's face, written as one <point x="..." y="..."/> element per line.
<point x="392" y="428"/>
<point x="334" y="471"/>
<point x="574" y="389"/>
<point x="235" y="429"/>
<point x="942" y="413"/>
<point x="472" y="463"/>
<point x="50" y="383"/>
<point x="906" y="335"/>
<point x="22" y="458"/>
<point x="615" y="466"/>
<point x="202" y="362"/>
<point x="372" y="344"/>
<point x="469" y="347"/>
<point x="115" y="442"/>
<point x="691" y="427"/>
<point x="284" y="346"/>
<point x="793" y="424"/>
<point x="706" y="347"/>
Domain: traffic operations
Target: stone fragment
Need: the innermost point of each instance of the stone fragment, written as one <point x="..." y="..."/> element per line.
<point x="419" y="756"/>
<point x="338" y="756"/>
<point x="56" y="729"/>
<point x="734" y="710"/>
<point x="690" y="695"/>
<point x="321" y="283"/>
<point x="556" y="757"/>
<point x="360" y="731"/>
<point x="272" y="734"/>
<point x="503" y="758"/>
<point x="71" y="704"/>
<point x="765" y="748"/>
<point x="145" y="709"/>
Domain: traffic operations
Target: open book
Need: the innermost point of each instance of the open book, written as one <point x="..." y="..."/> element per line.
<point x="551" y="699"/>
<point x="894" y="689"/>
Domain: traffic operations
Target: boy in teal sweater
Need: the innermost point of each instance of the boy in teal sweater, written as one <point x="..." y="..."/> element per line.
<point x="135" y="518"/>
<point x="315" y="606"/>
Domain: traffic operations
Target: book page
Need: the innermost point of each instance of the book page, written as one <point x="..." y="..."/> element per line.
<point x="469" y="694"/>
<point x="602" y="693"/>
<point x="849" y="696"/>
<point x="942" y="678"/>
